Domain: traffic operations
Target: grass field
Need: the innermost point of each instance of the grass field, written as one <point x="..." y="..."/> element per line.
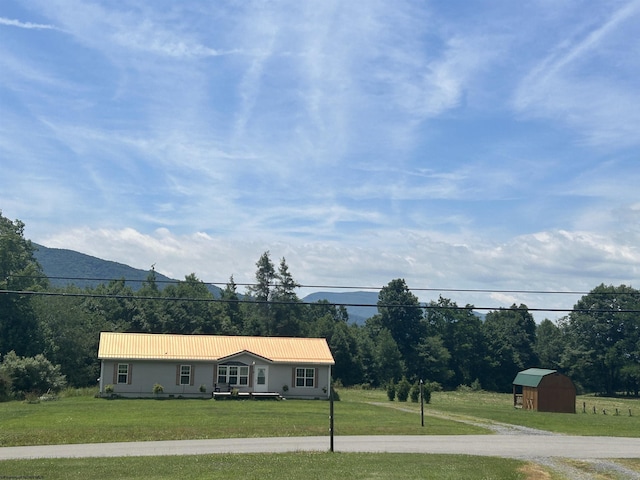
<point x="85" y="419"/>
<point x="266" y="467"/>
<point x="80" y="419"/>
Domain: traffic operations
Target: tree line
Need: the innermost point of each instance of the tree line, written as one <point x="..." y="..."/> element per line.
<point x="597" y="344"/>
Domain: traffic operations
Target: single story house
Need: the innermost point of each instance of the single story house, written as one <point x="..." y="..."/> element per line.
<point x="544" y="390"/>
<point x="199" y="365"/>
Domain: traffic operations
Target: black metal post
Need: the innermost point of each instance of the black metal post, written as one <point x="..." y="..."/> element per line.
<point x="422" y="402"/>
<point x="331" y="415"/>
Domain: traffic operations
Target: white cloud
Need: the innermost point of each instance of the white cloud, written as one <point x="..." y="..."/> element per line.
<point x="553" y="261"/>
<point x="583" y="82"/>
<point x="26" y="25"/>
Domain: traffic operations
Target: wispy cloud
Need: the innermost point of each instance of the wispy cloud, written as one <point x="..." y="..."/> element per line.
<point x="599" y="105"/>
<point x="26" y="25"/>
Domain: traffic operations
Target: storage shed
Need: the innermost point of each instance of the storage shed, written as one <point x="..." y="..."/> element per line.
<point x="544" y="390"/>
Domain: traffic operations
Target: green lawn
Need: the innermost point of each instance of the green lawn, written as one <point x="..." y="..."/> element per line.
<point x="487" y="406"/>
<point x="90" y="420"/>
<point x="85" y="419"/>
<point x="309" y="466"/>
<point x="80" y="419"/>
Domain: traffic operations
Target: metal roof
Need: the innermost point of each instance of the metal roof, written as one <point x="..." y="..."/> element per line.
<point x="532" y="376"/>
<point x="148" y="346"/>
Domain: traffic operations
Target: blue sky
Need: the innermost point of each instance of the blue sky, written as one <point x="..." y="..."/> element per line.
<point x="471" y="145"/>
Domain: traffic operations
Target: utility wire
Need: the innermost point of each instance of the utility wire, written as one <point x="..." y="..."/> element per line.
<point x="277" y="302"/>
<point x="335" y="287"/>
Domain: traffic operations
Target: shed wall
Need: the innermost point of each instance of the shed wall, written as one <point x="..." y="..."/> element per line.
<point x="556" y="393"/>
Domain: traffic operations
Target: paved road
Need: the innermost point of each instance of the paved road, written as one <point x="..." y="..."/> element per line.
<point x="512" y="446"/>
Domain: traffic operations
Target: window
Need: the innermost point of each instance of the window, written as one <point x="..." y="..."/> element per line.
<point x="305" y="377"/>
<point x="185" y="374"/>
<point x="123" y="373"/>
<point x="233" y="374"/>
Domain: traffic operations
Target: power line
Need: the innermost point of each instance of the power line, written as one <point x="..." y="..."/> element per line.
<point x="291" y="303"/>
<point x="334" y="287"/>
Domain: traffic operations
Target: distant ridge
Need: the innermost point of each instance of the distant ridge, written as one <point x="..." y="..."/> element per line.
<point x="357" y="313"/>
<point x="68" y="267"/>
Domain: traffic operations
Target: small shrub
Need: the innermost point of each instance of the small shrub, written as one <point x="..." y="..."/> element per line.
<point x="285" y="388"/>
<point x="158" y="389"/>
<point x="391" y="391"/>
<point x="336" y="395"/>
<point x="32" y="397"/>
<point x="434" y="386"/>
<point x="427" y="393"/>
<point x="476" y="386"/>
<point x="5" y="385"/>
<point x="203" y="388"/>
<point x="108" y="389"/>
<point x="403" y="389"/>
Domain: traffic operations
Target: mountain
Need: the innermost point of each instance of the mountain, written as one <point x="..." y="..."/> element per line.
<point x="354" y="301"/>
<point x="68" y="267"/>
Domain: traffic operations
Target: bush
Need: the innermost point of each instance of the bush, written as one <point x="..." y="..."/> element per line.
<point x="415" y="392"/>
<point x="427" y="392"/>
<point x="35" y="375"/>
<point x="5" y="385"/>
<point x="391" y="391"/>
<point x="158" y="389"/>
<point x="403" y="389"/>
<point x="336" y="395"/>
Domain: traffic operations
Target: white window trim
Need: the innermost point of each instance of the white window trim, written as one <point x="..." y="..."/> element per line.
<point x="183" y="375"/>
<point x="227" y="376"/>
<point x="121" y="373"/>
<point x="305" y="377"/>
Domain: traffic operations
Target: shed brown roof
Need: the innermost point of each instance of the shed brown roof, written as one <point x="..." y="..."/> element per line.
<point x="150" y="346"/>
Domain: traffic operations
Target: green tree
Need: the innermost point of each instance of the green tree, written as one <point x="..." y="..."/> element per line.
<point x="603" y="337"/>
<point x="287" y="311"/>
<point x="461" y="332"/>
<point x="389" y="365"/>
<point x="19" y="271"/>
<point x="550" y="345"/>
<point x="232" y="320"/>
<point x="259" y="316"/>
<point x="400" y="312"/>
<point x="190" y="308"/>
<point x="434" y="360"/>
<point x="510" y="335"/>
<point x="70" y="335"/>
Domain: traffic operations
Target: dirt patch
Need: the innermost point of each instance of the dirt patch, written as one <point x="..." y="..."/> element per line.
<point x="533" y="471"/>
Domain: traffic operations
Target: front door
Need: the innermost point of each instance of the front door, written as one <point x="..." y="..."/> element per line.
<point x="260" y="383"/>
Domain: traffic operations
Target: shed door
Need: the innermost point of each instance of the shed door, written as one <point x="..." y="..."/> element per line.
<point x="261" y="378"/>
